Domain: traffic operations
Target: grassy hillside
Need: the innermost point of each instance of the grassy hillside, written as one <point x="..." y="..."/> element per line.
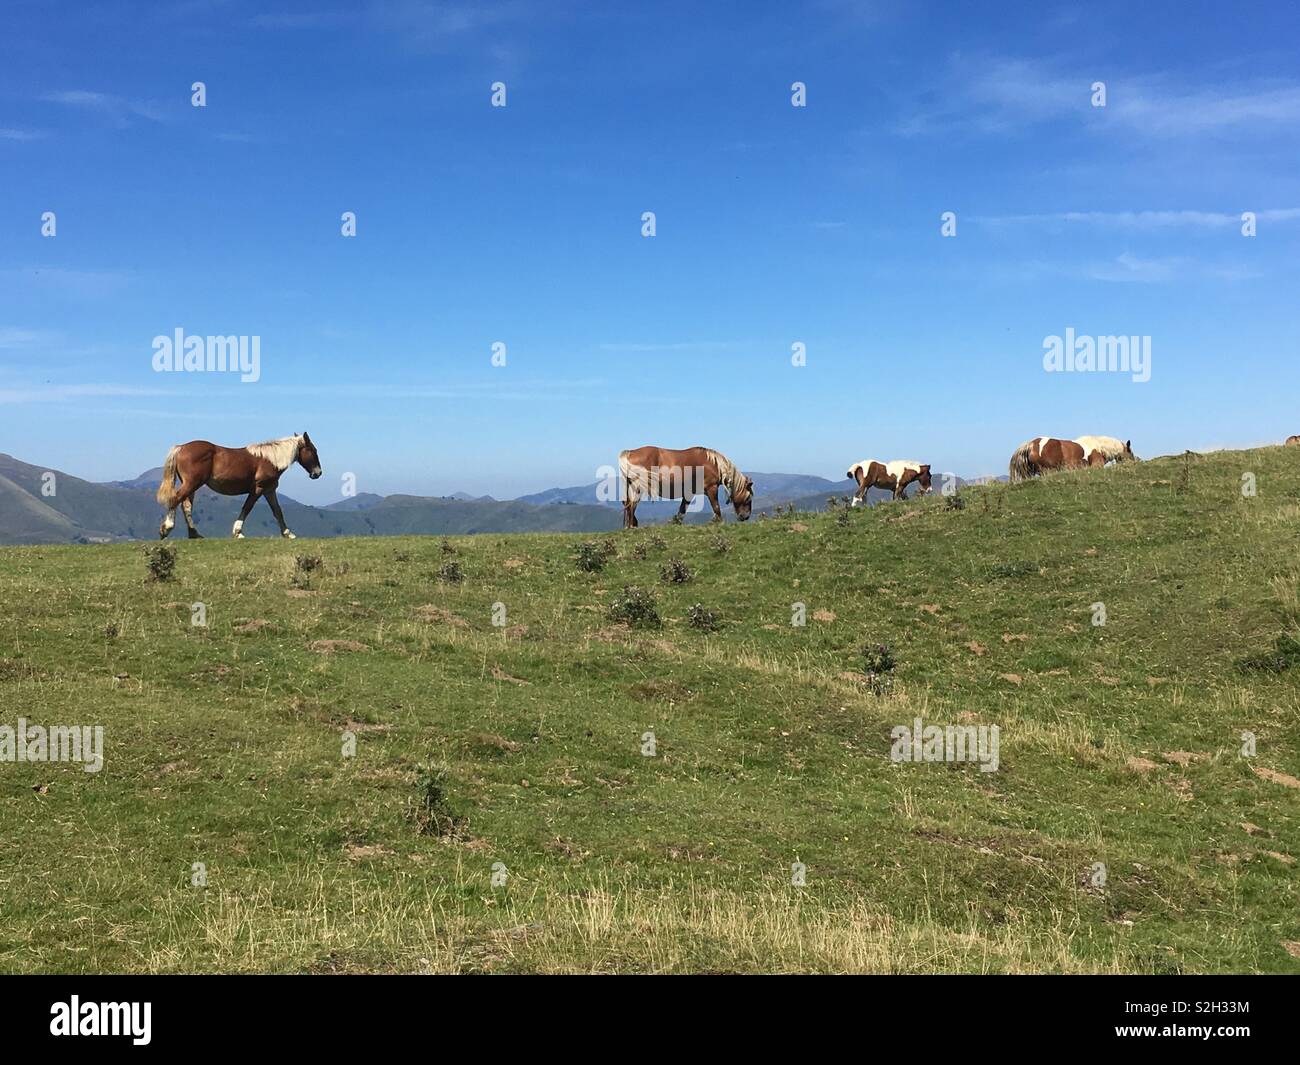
<point x="522" y="744"/>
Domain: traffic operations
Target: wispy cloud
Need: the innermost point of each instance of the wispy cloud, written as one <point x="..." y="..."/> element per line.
<point x="59" y="393"/>
<point x="304" y="20"/>
<point x="419" y="24"/>
<point x="13" y="338"/>
<point x="117" y="111"/>
<point x="1125" y="268"/>
<point x="1142" y="220"/>
<point x="21" y="134"/>
<point x="682" y="347"/>
<point x="87" y="284"/>
<point x="1005" y="95"/>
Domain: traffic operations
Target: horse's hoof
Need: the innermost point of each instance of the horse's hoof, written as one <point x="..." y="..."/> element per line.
<point x="238" y="536"/>
<point x="288" y="535"/>
<point x="195" y="536"/>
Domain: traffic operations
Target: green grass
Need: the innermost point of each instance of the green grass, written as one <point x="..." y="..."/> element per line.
<point x="226" y="747"/>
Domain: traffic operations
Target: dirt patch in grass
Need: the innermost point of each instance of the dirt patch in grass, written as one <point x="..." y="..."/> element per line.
<point x="491" y="743"/>
<point x="358" y="852"/>
<point x="329" y="647"/>
<point x="1287" y="781"/>
<point x="658" y="690"/>
<point x="431" y="612"/>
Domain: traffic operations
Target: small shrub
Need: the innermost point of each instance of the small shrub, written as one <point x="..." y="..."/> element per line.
<point x="657" y="541"/>
<point x="636" y="606"/>
<point x="844" y="517"/>
<point x="450" y="573"/>
<point x="700" y="618"/>
<point x="1012" y="569"/>
<point x="303" y="567"/>
<point x="111" y="630"/>
<point x="160" y="560"/>
<point x="639" y="551"/>
<point x="877" y="658"/>
<point x="675" y="571"/>
<point x="832" y="502"/>
<point x="677" y="518"/>
<point x="430" y="810"/>
<point x="590" y="557"/>
<point x="720" y="545"/>
<point x="878" y="666"/>
<point x="609" y="547"/>
<point x="447" y="549"/>
<point x="954" y="502"/>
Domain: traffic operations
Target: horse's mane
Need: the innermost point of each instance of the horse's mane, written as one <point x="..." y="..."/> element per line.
<point x="728" y="473"/>
<point x="1107" y="445"/>
<point x="280" y="453"/>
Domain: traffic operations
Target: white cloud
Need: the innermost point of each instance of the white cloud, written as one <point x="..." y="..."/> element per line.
<point x="116" y="110"/>
<point x="1006" y="95"/>
<point x="1142" y="220"/>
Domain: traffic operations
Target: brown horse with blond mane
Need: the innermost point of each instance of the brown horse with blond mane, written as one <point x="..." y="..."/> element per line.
<point x="664" y="473"/>
<point x="232" y="471"/>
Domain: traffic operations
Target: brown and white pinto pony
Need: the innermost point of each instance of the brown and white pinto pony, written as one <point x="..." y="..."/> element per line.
<point x="891" y="476"/>
<point x="232" y="471"/>
<point x="664" y="473"/>
<point x="1044" y="453"/>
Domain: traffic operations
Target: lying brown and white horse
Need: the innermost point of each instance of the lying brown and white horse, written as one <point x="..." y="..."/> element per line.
<point x="892" y="476"/>
<point x="663" y="473"/>
<point x="232" y="471"/>
<point x="1045" y="453"/>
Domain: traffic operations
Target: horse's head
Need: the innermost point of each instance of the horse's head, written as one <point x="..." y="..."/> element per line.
<point x="308" y="458"/>
<point x="743" y="500"/>
<point x="924" y="478"/>
<point x="1127" y="454"/>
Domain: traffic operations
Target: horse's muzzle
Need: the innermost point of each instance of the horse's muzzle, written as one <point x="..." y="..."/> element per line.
<point x="315" y="473"/>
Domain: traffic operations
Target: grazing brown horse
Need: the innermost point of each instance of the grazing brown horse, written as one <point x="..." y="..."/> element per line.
<point x="232" y="471"/>
<point x="891" y="476"/>
<point x="661" y="473"/>
<point x="1045" y="453"/>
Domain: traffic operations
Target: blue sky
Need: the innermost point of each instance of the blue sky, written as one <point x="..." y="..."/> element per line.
<point x="775" y="225"/>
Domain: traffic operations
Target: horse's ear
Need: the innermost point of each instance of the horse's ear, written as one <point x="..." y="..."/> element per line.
<point x="1128" y="445"/>
<point x="306" y="439"/>
<point x="926" y="468"/>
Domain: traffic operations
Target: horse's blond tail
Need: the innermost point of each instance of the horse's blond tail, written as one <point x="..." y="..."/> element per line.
<point x="1021" y="468"/>
<point x="633" y="476"/>
<point x="167" y="494"/>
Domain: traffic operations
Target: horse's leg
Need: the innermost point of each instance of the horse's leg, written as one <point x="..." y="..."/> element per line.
<point x="187" y="506"/>
<point x="629" y="514"/>
<point x="861" y="493"/>
<point x="712" y="493"/>
<point x="681" y="511"/>
<point x="238" y="531"/>
<point x="168" y="523"/>
<point x="279" y="514"/>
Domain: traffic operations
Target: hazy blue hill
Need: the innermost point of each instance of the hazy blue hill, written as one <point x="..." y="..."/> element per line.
<point x="81" y="510"/>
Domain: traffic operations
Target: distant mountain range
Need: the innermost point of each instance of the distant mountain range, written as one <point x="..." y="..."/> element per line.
<point x="43" y="506"/>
